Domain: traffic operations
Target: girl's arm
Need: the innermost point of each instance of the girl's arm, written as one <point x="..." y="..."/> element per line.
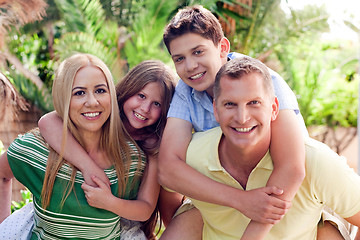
<point x="288" y="154"/>
<point x="51" y="126"/>
<point x="5" y="187"/>
<point x="139" y="209"/>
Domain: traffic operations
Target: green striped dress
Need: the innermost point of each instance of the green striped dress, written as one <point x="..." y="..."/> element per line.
<point x="76" y="219"/>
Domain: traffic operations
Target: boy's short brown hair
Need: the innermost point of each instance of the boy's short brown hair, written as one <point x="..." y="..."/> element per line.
<point x="193" y="19"/>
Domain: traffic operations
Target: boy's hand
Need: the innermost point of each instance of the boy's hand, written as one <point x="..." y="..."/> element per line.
<point x="263" y="206"/>
<point x="97" y="196"/>
<point x="94" y="170"/>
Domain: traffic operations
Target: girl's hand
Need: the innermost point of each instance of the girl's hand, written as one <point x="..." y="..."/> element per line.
<point x="97" y="196"/>
<point x="94" y="170"/>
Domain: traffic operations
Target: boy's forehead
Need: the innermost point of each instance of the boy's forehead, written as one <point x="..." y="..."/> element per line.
<point x="189" y="41"/>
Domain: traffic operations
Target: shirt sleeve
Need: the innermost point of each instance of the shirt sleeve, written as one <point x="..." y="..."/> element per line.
<point x="286" y="97"/>
<point x="179" y="107"/>
<point x="27" y="157"/>
<point x="336" y="185"/>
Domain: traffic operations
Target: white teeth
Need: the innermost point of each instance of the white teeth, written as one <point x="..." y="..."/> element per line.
<point x="140" y="116"/>
<point x="91" y="114"/>
<point x="197" y="76"/>
<point x="243" y="129"/>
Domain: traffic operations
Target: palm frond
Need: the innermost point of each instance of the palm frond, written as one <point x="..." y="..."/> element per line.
<point x="82" y="15"/>
<point x="71" y="43"/>
<point x="15" y="13"/>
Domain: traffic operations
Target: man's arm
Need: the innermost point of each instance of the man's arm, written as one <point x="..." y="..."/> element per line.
<point x="51" y="126"/>
<point x="175" y="174"/>
<point x="5" y="187"/>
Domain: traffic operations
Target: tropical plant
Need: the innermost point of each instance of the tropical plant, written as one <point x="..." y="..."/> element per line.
<point x="26" y="198"/>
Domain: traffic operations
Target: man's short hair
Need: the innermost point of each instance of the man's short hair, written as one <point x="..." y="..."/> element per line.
<point x="193" y="19"/>
<point x="244" y="65"/>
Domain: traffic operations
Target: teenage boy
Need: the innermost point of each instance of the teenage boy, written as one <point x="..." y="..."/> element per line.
<point x="244" y="98"/>
<point x="197" y="45"/>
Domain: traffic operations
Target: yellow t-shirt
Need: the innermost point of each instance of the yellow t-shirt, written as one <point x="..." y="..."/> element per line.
<point x="329" y="181"/>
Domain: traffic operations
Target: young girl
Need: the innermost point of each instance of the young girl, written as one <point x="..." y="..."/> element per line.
<point x="144" y="97"/>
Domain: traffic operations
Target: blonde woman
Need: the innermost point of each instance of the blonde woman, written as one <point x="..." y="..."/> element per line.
<point x="84" y="97"/>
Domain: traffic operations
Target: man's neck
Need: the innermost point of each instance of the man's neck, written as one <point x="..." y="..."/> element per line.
<point x="239" y="163"/>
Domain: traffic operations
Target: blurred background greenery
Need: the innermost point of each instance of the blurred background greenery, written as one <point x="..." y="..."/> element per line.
<point x="321" y="71"/>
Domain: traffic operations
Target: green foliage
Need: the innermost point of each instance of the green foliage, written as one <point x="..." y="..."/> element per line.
<point x="26" y="198"/>
<point x="86" y="43"/>
<point x="41" y="98"/>
<point x="81" y="15"/>
<point x="2" y="148"/>
<point x="146" y="32"/>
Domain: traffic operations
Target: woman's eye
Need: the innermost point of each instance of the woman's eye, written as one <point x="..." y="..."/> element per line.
<point x="100" y="90"/>
<point x="79" y="93"/>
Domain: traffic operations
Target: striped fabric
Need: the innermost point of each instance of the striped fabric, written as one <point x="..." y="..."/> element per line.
<point x="27" y="157"/>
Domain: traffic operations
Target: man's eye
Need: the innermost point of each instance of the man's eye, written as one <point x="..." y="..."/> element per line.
<point x="229" y="104"/>
<point x="254" y="102"/>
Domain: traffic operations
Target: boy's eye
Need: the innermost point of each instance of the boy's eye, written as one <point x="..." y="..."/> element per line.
<point x="79" y="93"/>
<point x="198" y="52"/>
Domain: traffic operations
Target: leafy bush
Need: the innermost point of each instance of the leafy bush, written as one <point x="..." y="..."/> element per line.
<point x="26" y="198"/>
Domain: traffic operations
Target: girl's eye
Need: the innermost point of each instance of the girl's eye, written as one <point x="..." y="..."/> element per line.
<point x="79" y="93"/>
<point x="141" y="95"/>
<point x="179" y="59"/>
<point x="157" y="104"/>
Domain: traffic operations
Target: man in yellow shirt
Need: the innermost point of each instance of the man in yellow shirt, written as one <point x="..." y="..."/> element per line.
<point x="237" y="154"/>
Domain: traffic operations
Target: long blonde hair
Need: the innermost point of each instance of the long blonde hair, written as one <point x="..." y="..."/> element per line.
<point x="114" y="139"/>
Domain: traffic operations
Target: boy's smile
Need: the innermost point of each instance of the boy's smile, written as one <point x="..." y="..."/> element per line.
<point x="197" y="60"/>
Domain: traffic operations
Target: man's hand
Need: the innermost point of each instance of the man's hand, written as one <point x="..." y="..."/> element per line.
<point x="263" y="206"/>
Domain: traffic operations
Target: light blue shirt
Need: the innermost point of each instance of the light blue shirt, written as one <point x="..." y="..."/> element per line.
<point x="196" y="107"/>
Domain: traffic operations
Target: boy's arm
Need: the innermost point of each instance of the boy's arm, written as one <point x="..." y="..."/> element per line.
<point x="139" y="209"/>
<point x="288" y="154"/>
<point x="175" y="174"/>
<point x="5" y="187"/>
<point x="51" y="126"/>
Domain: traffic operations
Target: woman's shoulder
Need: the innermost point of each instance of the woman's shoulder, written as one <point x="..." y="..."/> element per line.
<point x="29" y="141"/>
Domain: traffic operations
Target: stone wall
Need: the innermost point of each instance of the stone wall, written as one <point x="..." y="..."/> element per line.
<point x="16" y="124"/>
